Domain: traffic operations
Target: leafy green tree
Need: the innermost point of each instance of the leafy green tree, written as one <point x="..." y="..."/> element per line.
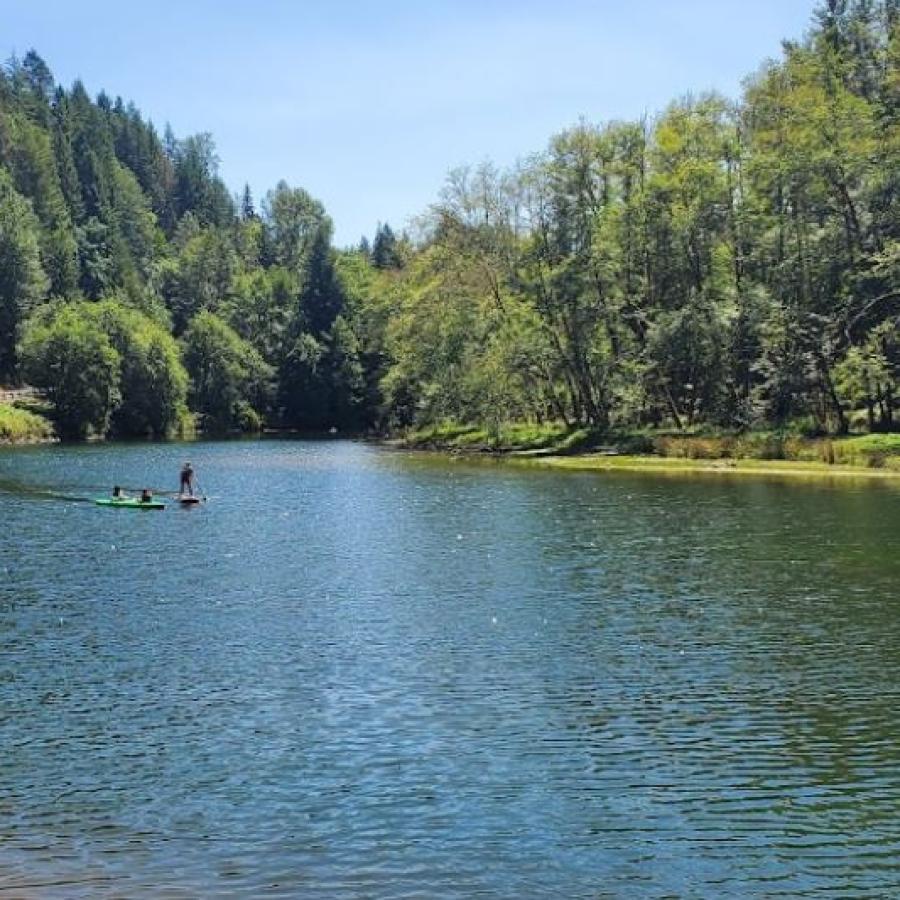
<point x="106" y="367"/>
<point x="302" y="385"/>
<point x="203" y="277"/>
<point x="75" y="363"/>
<point x="152" y="380"/>
<point x="293" y="221"/>
<point x="33" y="166"/>
<point x="96" y="258"/>
<point x="347" y="387"/>
<point x="230" y="381"/>
<point x="92" y="153"/>
<point x="38" y="75"/>
<point x="61" y="131"/>
<point x="135" y="221"/>
<point x="260" y="309"/>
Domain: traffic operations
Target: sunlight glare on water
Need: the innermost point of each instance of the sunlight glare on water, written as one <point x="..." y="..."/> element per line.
<point x="357" y="673"/>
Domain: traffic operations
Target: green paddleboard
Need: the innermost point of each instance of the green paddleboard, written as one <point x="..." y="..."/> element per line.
<point x="129" y="503"/>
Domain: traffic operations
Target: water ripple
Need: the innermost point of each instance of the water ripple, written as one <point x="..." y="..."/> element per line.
<point x="356" y="674"/>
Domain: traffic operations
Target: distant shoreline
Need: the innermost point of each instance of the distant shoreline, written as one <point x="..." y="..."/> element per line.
<point x="742" y="467"/>
<point x="873" y="457"/>
<point x="588" y="460"/>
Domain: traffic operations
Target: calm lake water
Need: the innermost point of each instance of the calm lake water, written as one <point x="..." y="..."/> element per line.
<point x="362" y="674"/>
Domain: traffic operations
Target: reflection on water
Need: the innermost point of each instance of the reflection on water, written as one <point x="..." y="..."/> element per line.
<point x="364" y="674"/>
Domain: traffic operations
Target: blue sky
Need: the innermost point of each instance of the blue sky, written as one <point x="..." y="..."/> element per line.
<point x="368" y="105"/>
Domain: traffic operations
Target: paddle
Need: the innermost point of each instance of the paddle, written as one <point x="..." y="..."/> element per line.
<point x="163" y="493"/>
<point x="197" y="495"/>
<point x="153" y="491"/>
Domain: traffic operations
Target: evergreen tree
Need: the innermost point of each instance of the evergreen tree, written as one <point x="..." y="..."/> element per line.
<point x="23" y="283"/>
<point x="248" y="211"/>
<point x="322" y="295"/>
<point x="384" y="249"/>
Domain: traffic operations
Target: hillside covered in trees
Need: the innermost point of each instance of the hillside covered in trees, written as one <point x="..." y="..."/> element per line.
<point x="734" y="264"/>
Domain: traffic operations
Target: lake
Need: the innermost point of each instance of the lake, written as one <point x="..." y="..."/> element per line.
<point x="357" y="673"/>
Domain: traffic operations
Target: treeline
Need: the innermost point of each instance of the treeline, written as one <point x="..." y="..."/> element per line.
<point x="727" y="264"/>
<point x="134" y="289"/>
<point x="734" y="264"/>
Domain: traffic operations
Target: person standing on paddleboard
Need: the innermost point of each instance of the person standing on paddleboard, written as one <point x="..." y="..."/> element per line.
<point x="187" y="479"/>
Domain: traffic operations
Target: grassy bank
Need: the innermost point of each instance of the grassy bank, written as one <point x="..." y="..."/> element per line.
<point x="751" y="467"/>
<point x="666" y="451"/>
<point x="19" y="426"/>
<point x="506" y="438"/>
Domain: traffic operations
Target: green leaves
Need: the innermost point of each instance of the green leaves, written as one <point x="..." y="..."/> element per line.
<point x="105" y="367"/>
<point x="23" y="283"/>
<point x="722" y="263"/>
<point x="75" y="363"/>
<point x="230" y="381"/>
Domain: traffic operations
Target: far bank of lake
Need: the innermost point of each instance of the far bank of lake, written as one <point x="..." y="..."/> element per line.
<point x="868" y="456"/>
<point x="761" y="453"/>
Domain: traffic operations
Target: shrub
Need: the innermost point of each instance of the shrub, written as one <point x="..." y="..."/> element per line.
<point x="19" y="425"/>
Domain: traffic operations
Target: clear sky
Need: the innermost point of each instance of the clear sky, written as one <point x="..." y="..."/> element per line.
<point x="367" y="105"/>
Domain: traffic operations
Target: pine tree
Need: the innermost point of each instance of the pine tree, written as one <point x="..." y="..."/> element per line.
<point x="322" y="296"/>
<point x="248" y="211"/>
<point x="65" y="161"/>
<point x="38" y="75"/>
<point x="384" y="249"/>
<point x="23" y="283"/>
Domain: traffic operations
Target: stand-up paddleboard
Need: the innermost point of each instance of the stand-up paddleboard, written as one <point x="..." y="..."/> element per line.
<point x="188" y="500"/>
<point x="129" y="503"/>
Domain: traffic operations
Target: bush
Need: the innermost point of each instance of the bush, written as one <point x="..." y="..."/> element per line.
<point x="691" y="447"/>
<point x="19" y="425"/>
<point x="247" y="419"/>
<point x="808" y="427"/>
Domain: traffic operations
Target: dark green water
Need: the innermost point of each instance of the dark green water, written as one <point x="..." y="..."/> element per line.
<point x="355" y="673"/>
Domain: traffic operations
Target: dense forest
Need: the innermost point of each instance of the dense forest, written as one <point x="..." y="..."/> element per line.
<point x="732" y="264"/>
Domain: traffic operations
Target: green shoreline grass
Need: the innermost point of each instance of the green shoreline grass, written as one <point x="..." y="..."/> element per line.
<point x="750" y="453"/>
<point x="740" y="467"/>
<point x="19" y="426"/>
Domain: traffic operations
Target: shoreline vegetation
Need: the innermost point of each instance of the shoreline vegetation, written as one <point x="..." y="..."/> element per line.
<point x="719" y="281"/>
<point x="22" y="426"/>
<point x="748" y="453"/>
